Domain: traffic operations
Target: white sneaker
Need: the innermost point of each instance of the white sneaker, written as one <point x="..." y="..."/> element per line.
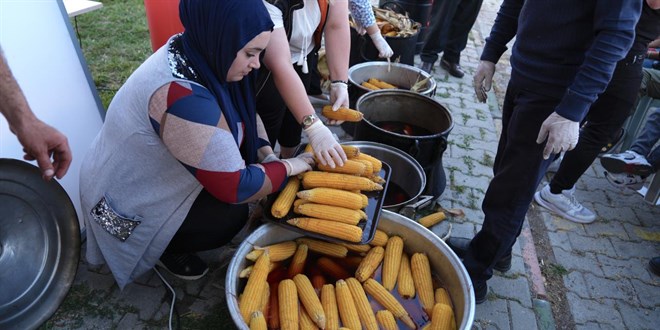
<point x="564" y="205"/>
<point x="627" y="162"/>
<point x="625" y="180"/>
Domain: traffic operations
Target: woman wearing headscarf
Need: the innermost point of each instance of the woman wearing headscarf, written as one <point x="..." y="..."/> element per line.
<point x="182" y="151"/>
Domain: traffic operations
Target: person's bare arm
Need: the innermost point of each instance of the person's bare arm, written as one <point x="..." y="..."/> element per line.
<point x="337" y="37"/>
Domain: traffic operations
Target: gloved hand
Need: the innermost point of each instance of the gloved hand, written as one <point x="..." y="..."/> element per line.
<point x="384" y="49"/>
<point x="326" y="148"/>
<point x="562" y="134"/>
<point x="299" y="164"/>
<point x="339" y="95"/>
<point x="270" y="158"/>
<point x="483" y="79"/>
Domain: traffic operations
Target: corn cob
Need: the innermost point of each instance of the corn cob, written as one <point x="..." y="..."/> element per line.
<point x="306" y="322"/>
<point x="442" y="296"/>
<point x="257" y="321"/>
<point x="369" y="263"/>
<point x="245" y="273"/>
<point x="377" y="179"/>
<point x="365" y="198"/>
<point x="357" y="248"/>
<point x="309" y="299"/>
<point x="377" y="164"/>
<point x="320" y="179"/>
<point x="265" y="298"/>
<point x="330" y="196"/>
<point x="352" y="167"/>
<point x="299" y="202"/>
<point x="288" y="305"/>
<point x="284" y="200"/>
<point x="329" y="228"/>
<point x="441" y="317"/>
<point x="325" y="248"/>
<point x="380" y="238"/>
<point x="332" y="268"/>
<point x="330" y="212"/>
<point x="380" y="84"/>
<point x="298" y="261"/>
<point x="344" y="114"/>
<point x="368" y="167"/>
<point x="365" y="312"/>
<point x="386" y="320"/>
<point x="276" y="252"/>
<point x="369" y="86"/>
<point x="406" y="287"/>
<point x="363" y="214"/>
<point x="388" y="301"/>
<point x="392" y="262"/>
<point x="350" y="151"/>
<point x="432" y="219"/>
<point x="421" y="272"/>
<point x="346" y="305"/>
<point x="318" y="281"/>
<point x="252" y="294"/>
<point x="273" y="308"/>
<point x="329" y="302"/>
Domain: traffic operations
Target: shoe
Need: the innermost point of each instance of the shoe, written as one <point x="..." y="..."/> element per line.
<point x="613" y="144"/>
<point x="627" y="162"/>
<point x="564" y="204"/>
<point x="625" y="180"/>
<point x="654" y="266"/>
<point x="480" y="292"/>
<point x="186" y="266"/>
<point x="427" y="67"/>
<point x="461" y="245"/>
<point x="453" y="68"/>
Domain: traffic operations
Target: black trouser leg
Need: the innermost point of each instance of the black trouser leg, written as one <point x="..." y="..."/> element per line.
<point x="437" y="34"/>
<point x="461" y="24"/>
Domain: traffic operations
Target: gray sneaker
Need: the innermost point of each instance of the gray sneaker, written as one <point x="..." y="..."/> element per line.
<point x="564" y="205"/>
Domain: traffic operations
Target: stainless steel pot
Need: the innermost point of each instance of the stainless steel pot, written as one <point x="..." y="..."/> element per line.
<point x="444" y="263"/>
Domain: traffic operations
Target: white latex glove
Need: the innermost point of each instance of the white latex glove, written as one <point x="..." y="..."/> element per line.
<point x="326" y="148"/>
<point x="483" y="79"/>
<point x="562" y="134"/>
<point x="270" y="158"/>
<point x="384" y="49"/>
<point x="299" y="164"/>
<point x="339" y="95"/>
<point x="361" y="30"/>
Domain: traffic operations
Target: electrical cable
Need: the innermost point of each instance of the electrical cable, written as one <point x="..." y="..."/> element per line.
<point x="172" y="303"/>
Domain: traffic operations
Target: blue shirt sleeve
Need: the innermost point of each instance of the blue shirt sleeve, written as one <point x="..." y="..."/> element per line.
<point x="362" y="12"/>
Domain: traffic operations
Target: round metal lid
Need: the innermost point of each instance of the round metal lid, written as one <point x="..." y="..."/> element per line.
<point x="39" y="245"/>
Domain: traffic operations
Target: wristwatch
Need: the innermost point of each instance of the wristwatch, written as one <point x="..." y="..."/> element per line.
<point x="308" y="121"/>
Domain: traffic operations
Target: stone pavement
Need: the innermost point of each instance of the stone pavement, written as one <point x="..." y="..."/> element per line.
<point x="602" y="265"/>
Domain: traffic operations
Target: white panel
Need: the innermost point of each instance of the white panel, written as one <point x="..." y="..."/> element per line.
<point x="44" y="56"/>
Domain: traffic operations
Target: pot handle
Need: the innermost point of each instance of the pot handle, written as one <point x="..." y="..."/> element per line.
<point x="409" y="210"/>
<point x="414" y="149"/>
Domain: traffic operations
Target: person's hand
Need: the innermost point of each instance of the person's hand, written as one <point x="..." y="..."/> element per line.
<point x="384" y="49"/>
<point x="562" y="134"/>
<point x="299" y="164"/>
<point x="339" y="95"/>
<point x="483" y="79"/>
<point x="40" y="141"/>
<point x="327" y="150"/>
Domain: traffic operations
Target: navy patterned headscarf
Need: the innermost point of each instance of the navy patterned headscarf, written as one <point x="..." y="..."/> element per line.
<point x="215" y="30"/>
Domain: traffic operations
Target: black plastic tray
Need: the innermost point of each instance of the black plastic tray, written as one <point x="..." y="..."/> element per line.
<point x="376" y="200"/>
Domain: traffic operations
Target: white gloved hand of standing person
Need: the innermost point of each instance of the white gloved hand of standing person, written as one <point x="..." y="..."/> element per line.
<point x="339" y="95"/>
<point x="327" y="150"/>
<point x="562" y="134"/>
<point x="483" y="79"/>
<point x="384" y="49"/>
<point x="299" y="164"/>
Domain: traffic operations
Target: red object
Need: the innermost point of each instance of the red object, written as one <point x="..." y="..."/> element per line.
<point x="163" y="20"/>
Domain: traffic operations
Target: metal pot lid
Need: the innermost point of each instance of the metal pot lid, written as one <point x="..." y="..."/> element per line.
<point x="39" y="245"/>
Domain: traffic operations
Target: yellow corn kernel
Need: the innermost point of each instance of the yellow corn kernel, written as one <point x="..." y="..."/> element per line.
<point x="329" y="228"/>
<point x="377" y="164"/>
<point x="421" y="272"/>
<point x="344" y="114"/>
<point x="386" y="320"/>
<point x="331" y="196"/>
<point x="357" y="248"/>
<point x="377" y="179"/>
<point x="306" y="322"/>
<point x="442" y="296"/>
<point x="331" y="268"/>
<point x="298" y="261"/>
<point x="284" y="200"/>
<point x="441" y="317"/>
<point x="380" y="238"/>
<point x="251" y="299"/>
<point x="258" y="321"/>
<point x="365" y="200"/>
<point x="363" y="214"/>
<point x="392" y="262"/>
<point x="406" y="287"/>
<point x="320" y="179"/>
<point x="365" y="312"/>
<point x="369" y="86"/>
<point x="352" y="167"/>
<point x="288" y="304"/>
<point x="325" y="248"/>
<point x="380" y="84"/>
<point x="265" y="298"/>
<point x="310" y="300"/>
<point x="368" y="168"/>
<point x="299" y="202"/>
<point x="329" y="302"/>
<point x="346" y="305"/>
<point x="245" y="273"/>
<point x="369" y="263"/>
<point x="277" y="252"/>
<point x="387" y="300"/>
<point x="330" y="212"/>
<point x="432" y="219"/>
<point x="350" y="151"/>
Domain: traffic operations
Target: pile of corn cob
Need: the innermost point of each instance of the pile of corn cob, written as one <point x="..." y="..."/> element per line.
<point x="331" y="202"/>
<point x="312" y="284"/>
<point x="376" y="84"/>
<point x="393" y="24"/>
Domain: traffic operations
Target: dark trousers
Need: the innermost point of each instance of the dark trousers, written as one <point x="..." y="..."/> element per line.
<point x="518" y="169"/>
<point x="602" y="124"/>
<point x="209" y="224"/>
<point x="451" y="22"/>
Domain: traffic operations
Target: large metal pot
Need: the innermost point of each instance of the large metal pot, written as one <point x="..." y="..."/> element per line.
<point x="444" y="263"/>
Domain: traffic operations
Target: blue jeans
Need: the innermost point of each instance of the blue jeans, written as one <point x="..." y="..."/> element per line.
<point x="648" y="138"/>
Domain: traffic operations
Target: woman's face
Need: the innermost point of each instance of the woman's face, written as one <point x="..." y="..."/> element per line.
<point x="247" y="59"/>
